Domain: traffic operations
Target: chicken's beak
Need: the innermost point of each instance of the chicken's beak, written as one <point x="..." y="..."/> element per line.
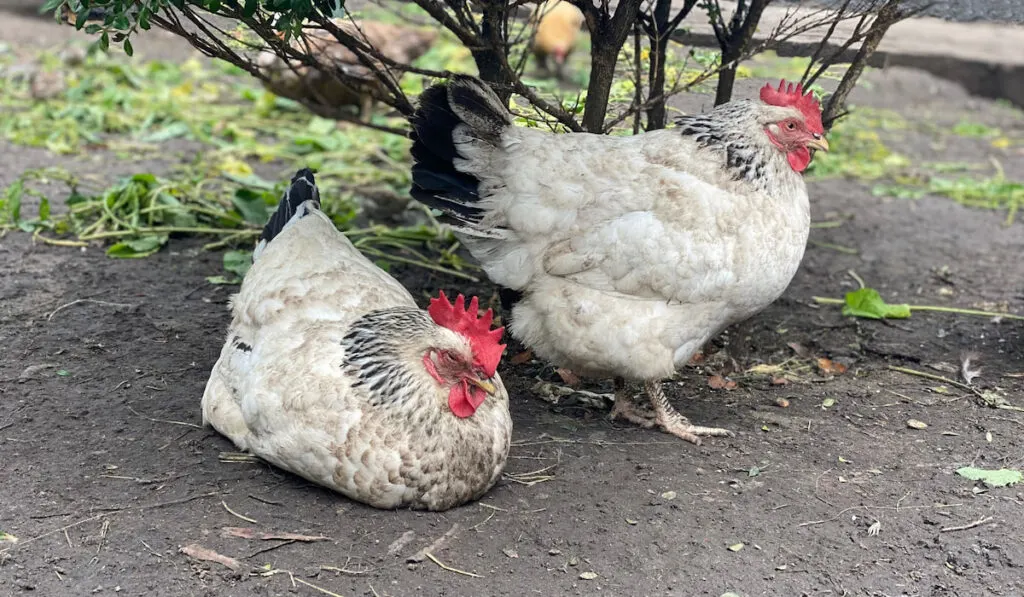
<point x="483" y="385"/>
<point x="818" y="142"/>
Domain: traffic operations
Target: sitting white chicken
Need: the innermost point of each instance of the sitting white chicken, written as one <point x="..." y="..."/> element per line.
<point x="332" y="372"/>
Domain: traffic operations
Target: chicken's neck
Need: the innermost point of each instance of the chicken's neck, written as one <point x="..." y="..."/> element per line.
<point x="376" y="349"/>
<point x="731" y="130"/>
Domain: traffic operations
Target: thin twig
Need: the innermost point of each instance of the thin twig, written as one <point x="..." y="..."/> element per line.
<point x="169" y="422"/>
<point x="933" y="377"/>
<point x="964" y="527"/>
<point x="444" y="566"/>
<point x="271" y="548"/>
<point x="93" y="301"/>
<point x="236" y="514"/>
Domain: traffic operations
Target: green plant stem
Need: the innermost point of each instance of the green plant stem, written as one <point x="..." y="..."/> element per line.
<point x="831" y="301"/>
<point x="168" y="229"/>
<point x="424" y="265"/>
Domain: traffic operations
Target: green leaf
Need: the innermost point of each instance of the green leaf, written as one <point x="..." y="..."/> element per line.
<point x="238" y="262"/>
<point x="992" y="478"/>
<point x="144" y="246"/>
<point x="144" y="178"/>
<point x="248" y="10"/>
<point x="44" y="209"/>
<point x="867" y="303"/>
<point x="171" y="131"/>
<point x="222" y="280"/>
<point x="12" y="201"/>
<point x="50" y="6"/>
<point x="128" y="47"/>
<point x="251" y="206"/>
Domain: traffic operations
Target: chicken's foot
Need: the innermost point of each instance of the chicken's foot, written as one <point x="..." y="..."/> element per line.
<point x="671" y="421"/>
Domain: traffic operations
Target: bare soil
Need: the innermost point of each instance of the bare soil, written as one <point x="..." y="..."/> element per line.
<point x="107" y="474"/>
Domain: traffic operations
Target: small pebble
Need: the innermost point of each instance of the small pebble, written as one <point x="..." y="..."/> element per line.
<point x="915" y="424"/>
<point x="782" y="403"/>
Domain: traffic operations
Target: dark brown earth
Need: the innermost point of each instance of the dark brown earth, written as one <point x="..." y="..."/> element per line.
<point x="106" y="473"/>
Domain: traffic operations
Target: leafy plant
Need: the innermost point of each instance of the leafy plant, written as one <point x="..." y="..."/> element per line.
<point x="497" y="42"/>
<point x="974" y="129"/>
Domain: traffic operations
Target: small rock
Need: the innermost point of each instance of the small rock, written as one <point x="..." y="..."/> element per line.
<point x="668" y="495"/>
<point x="554" y="552"/>
<point x="588" y="575"/>
<point x="511" y="553"/>
<point x="735" y="547"/>
<point x="915" y="424"/>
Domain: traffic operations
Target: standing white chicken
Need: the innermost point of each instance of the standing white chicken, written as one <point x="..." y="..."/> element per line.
<point x="627" y="253"/>
<point x="332" y="372"/>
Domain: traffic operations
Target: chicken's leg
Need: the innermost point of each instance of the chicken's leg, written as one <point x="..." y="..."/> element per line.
<point x="672" y="422"/>
<point x="627" y="409"/>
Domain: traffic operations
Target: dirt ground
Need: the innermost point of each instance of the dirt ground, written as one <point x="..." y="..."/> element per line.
<point x="106" y="472"/>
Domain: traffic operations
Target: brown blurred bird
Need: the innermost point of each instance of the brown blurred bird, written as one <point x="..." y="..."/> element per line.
<point x="345" y="81"/>
<point x="94" y="15"/>
<point x="558" y="26"/>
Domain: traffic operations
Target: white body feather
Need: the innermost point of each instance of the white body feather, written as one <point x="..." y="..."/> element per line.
<point x="281" y="391"/>
<point x="631" y="252"/>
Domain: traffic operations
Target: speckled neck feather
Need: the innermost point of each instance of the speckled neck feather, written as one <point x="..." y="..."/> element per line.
<point x="722" y="129"/>
<point x="374" y="349"/>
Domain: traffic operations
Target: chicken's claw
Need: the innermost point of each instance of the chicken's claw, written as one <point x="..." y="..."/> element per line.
<point x="691" y="433"/>
<point x="672" y="422"/>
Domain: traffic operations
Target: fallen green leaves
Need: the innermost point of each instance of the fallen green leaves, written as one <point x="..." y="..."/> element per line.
<point x="993" y="478"/>
<point x="867" y="303"/>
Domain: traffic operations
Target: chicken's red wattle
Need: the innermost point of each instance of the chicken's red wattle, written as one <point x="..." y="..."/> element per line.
<point x="463" y="400"/>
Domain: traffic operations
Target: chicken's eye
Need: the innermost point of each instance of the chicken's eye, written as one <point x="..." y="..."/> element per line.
<point x="446" y="357"/>
<point x="791" y="125"/>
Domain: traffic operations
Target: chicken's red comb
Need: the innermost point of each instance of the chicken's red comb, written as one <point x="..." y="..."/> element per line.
<point x="467" y="321"/>
<point x="793" y="95"/>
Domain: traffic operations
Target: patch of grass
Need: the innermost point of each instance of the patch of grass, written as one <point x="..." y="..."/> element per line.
<point x="236" y="128"/>
<point x="861" y="154"/>
<point x="769" y="65"/>
<point x="859" y="151"/>
<point x="994" y="192"/>
<point x="966" y="128"/>
<point x="139" y="214"/>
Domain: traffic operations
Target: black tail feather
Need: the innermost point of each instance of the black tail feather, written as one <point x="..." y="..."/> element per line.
<point x="435" y="181"/>
<point x="302" y="189"/>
